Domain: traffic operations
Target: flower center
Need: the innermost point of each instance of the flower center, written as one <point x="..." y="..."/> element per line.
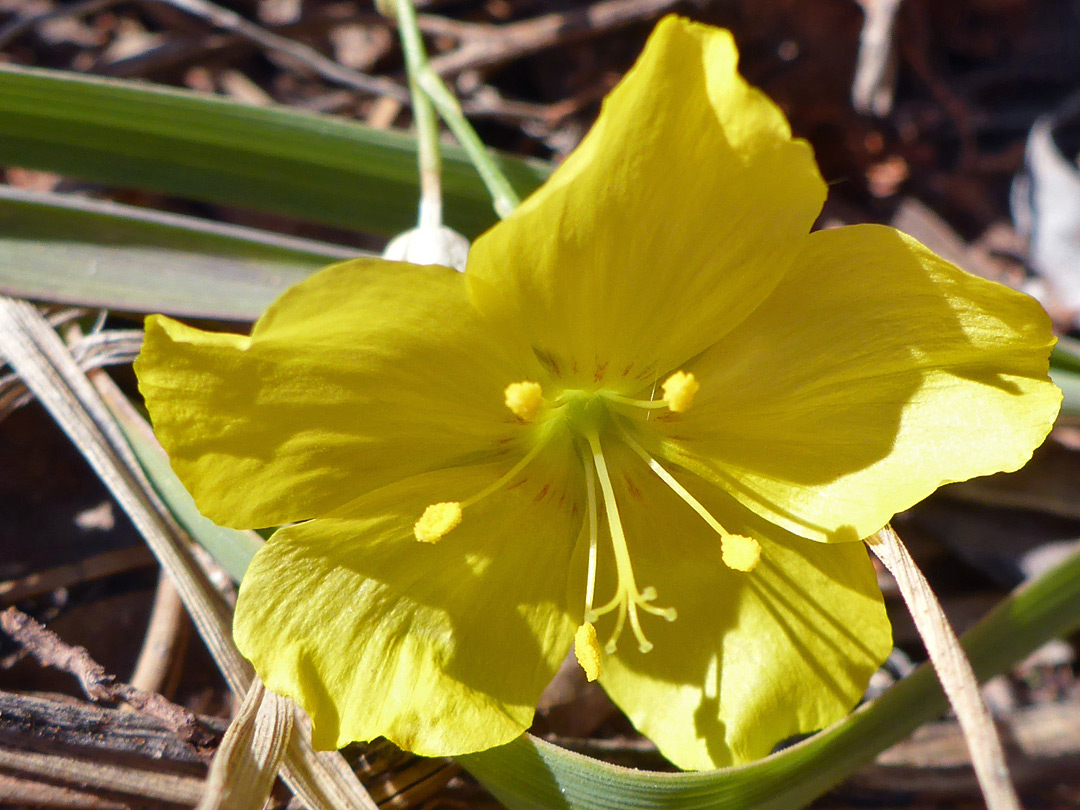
<point x="587" y="416"/>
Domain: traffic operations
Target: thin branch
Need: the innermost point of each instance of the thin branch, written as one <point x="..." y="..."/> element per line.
<point x="20" y="25"/>
<point x="485" y="46"/>
<point x="324" y="66"/>
<point x="165" y="640"/>
<point x="98" y="566"/>
<point x="47" y="648"/>
<point x="73" y="727"/>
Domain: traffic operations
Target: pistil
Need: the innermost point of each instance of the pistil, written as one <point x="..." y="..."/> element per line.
<point x="627" y="598"/>
<point x="440" y="518"/>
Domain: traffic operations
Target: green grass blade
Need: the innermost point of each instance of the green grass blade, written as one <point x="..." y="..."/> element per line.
<point x="69" y="250"/>
<point x="1066" y="354"/>
<point x="207" y="148"/>
<point x="529" y="773"/>
<point x="1069" y="383"/>
<point x="1065" y="372"/>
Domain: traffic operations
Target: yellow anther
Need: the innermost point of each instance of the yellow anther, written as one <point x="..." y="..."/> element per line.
<point x="740" y="552"/>
<point x="679" y="390"/>
<point x="587" y="650"/>
<point x="437" y="521"/>
<point x="524" y="399"/>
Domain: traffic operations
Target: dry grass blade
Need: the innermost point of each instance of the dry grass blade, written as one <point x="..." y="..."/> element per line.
<point x="93" y="351"/>
<point x="15" y="792"/>
<point x="953" y="670"/>
<point x="246" y="765"/>
<point x="164" y="641"/>
<point x="64" y="768"/>
<point x="321" y="778"/>
<point x="38" y="355"/>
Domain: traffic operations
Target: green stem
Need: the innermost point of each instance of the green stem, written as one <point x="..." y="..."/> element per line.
<point x="503" y="197"/>
<point x="427" y="125"/>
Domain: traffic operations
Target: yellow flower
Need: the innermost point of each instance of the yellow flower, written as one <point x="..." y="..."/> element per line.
<point x="654" y="412"/>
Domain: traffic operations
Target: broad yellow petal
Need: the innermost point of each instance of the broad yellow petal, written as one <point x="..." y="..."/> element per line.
<point x="875" y="373"/>
<point x="674" y="218"/>
<point x="366" y="373"/>
<point x="443" y="648"/>
<point x="753" y="658"/>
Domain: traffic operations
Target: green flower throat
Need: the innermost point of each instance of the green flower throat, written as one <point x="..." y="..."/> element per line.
<point x="585" y="416"/>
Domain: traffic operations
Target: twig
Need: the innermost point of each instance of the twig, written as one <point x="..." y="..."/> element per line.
<point x="21" y="25"/>
<point x="165" y="639"/>
<point x="875" y="69"/>
<point x="488" y="102"/>
<point x="47" y="648"/>
<point x="953" y="670"/>
<point x="69" y="726"/>
<point x="325" y="67"/>
<point x="485" y="46"/>
<point x="100" y="565"/>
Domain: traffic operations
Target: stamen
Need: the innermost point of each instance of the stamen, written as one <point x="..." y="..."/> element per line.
<point x="524" y="399"/>
<point x="644" y="404"/>
<point x="437" y="520"/>
<point x="740" y="553"/>
<point x="627" y="597"/>
<point x="590" y="492"/>
<point x="587" y="650"/>
<point x="440" y="518"/>
<point x="679" y="391"/>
